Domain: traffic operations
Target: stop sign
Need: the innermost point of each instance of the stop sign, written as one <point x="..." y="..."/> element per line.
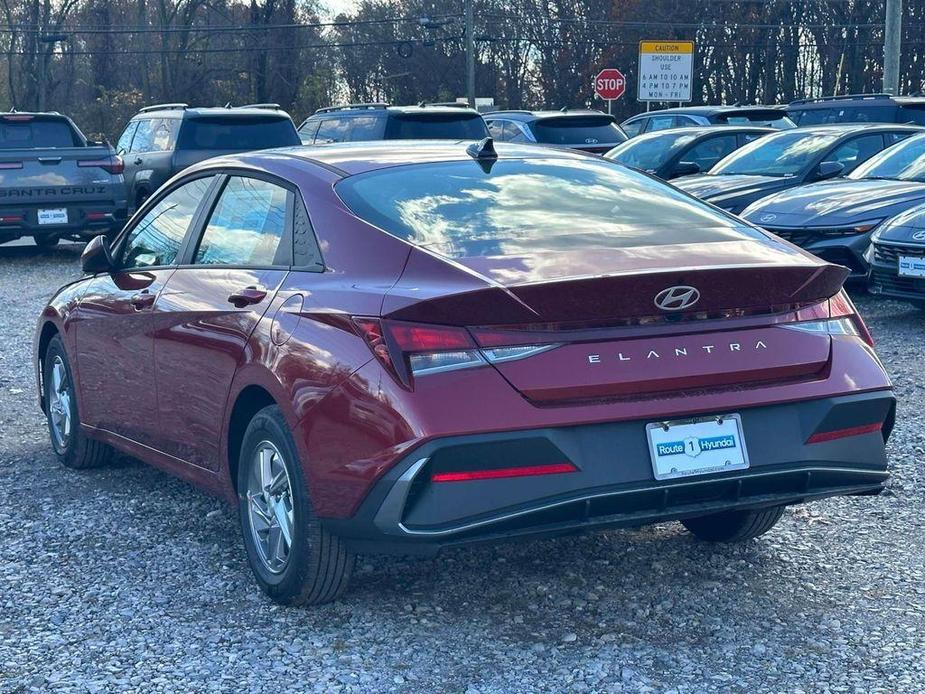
<point x="609" y="84"/>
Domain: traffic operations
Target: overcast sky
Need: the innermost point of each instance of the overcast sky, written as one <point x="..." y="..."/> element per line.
<point x="336" y="6"/>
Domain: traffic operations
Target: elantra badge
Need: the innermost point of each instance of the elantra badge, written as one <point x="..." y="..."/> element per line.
<point x="677" y="298"/>
<point x="918" y="236"/>
<point x="767" y="218"/>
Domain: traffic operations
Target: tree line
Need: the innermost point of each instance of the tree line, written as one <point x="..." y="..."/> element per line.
<point x="100" y="60"/>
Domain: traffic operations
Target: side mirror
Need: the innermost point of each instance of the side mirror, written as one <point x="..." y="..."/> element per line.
<point x="828" y="169"/>
<point x="97" y="257"/>
<point x="685" y="168"/>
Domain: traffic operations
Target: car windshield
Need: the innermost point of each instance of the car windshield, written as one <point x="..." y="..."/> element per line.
<point x="650" y="152"/>
<point x="904" y="162"/>
<point x="781" y="154"/>
<point x="577" y="130"/>
<point x="27" y="132"/>
<point x="514" y="206"/>
<point x="236" y="133"/>
<point x="436" y="126"/>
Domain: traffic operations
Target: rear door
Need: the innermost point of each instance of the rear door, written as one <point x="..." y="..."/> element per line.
<point x="211" y="305"/>
<point x="115" y="327"/>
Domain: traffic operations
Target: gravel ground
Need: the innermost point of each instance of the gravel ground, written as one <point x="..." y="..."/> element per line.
<point x="125" y="579"/>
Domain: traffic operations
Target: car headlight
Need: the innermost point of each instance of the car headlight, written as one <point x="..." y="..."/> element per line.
<point x="852" y="230"/>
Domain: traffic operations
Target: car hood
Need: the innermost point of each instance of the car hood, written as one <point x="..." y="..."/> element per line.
<point x="907" y="227"/>
<point x="832" y="203"/>
<point x="708" y="186"/>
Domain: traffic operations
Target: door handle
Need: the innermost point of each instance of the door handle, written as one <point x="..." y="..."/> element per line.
<point x="142" y="300"/>
<point x="247" y="296"/>
<point x="138" y="161"/>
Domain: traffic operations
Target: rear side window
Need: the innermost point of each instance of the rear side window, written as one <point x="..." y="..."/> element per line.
<point x="856" y="151"/>
<point x="458" y="209"/>
<point x="661" y="123"/>
<point x="27" y="132"/>
<point x="577" y="130"/>
<point x="156" y="239"/>
<point x="705" y="154"/>
<point x="363" y="128"/>
<point x="436" y="126"/>
<point x="246" y="226"/>
<point x="332" y="130"/>
<point x="236" y="134"/>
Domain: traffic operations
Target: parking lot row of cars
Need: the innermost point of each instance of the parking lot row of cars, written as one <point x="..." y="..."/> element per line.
<point x="842" y="177"/>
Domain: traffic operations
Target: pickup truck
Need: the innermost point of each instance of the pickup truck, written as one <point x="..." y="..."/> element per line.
<point x="55" y="183"/>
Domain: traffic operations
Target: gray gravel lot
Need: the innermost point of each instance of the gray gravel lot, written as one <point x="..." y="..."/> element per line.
<point x="125" y="579"/>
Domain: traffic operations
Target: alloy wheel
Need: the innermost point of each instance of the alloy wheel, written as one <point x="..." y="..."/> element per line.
<point x="59" y="403"/>
<point x="269" y="505"/>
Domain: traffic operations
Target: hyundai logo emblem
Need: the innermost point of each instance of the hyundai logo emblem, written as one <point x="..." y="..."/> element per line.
<point x="918" y="236"/>
<point x="767" y="218"/>
<point x="591" y="140"/>
<point x="677" y="298"/>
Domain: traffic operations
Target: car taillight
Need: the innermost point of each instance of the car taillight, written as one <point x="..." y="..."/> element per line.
<point x="843" y="320"/>
<point x="113" y="164"/>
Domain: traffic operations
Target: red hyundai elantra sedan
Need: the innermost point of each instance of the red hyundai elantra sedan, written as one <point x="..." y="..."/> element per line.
<point x="395" y="347"/>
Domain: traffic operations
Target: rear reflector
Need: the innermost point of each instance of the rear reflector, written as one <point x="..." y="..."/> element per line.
<point x="10" y="218"/>
<point x="503" y="473"/>
<point x="95" y="216"/>
<point x="824" y="436"/>
<point x="10" y="164"/>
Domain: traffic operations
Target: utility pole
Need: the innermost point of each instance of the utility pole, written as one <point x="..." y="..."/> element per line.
<point x="470" y="55"/>
<point x="892" y="46"/>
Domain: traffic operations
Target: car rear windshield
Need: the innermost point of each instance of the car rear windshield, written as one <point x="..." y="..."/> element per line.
<point x="236" y="133"/>
<point x="904" y="161"/>
<point x="577" y="130"/>
<point x="650" y="152"/>
<point x="468" y="209"/>
<point x="436" y="126"/>
<point x="779" y="154"/>
<point x="27" y="132"/>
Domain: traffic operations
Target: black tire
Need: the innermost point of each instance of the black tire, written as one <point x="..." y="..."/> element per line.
<point x="734" y="526"/>
<point x="46" y="241"/>
<point x="319" y="565"/>
<point x="78" y="452"/>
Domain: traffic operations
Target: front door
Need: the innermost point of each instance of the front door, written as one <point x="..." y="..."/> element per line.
<point x="114" y="321"/>
<point x="209" y="309"/>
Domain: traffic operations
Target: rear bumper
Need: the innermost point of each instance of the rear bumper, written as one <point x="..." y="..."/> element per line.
<point x="614" y="484"/>
<point x="85" y="218"/>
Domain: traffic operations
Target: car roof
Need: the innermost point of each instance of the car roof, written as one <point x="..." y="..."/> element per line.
<point x="713" y="110"/>
<point x="848" y="128"/>
<point x="184" y="111"/>
<point x="537" y="115"/>
<point x="348" y="158"/>
<point x="702" y="130"/>
<point x="377" y="109"/>
<point x="856" y="100"/>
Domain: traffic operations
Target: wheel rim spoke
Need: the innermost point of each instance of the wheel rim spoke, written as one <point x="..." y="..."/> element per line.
<point x="59" y="403"/>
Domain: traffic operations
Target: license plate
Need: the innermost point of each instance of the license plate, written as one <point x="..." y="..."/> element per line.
<point x="55" y="216"/>
<point x="691" y="447"/>
<point x="911" y="266"/>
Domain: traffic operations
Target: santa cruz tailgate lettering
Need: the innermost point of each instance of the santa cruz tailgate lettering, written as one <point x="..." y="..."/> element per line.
<point x="62" y="191"/>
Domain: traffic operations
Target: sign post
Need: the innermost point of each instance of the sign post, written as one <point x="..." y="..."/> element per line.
<point x="609" y="85"/>
<point x="665" y="71"/>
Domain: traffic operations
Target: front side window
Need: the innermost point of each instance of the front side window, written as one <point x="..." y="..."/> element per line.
<point x="633" y="128"/>
<point x="705" y="154"/>
<point x="156" y="239"/>
<point x="458" y="209"/>
<point x="782" y="154"/>
<point x="144" y="137"/>
<point x="496" y="129"/>
<point x="650" y="152"/>
<point x="332" y="130"/>
<point x="904" y="162"/>
<point x="856" y="151"/>
<point x="246" y="225"/>
<point x="125" y="140"/>
<point x="308" y="130"/>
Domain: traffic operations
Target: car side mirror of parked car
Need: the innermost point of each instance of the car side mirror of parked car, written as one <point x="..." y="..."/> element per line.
<point x="97" y="257"/>
<point x="828" y="169"/>
<point x="685" y="168"/>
